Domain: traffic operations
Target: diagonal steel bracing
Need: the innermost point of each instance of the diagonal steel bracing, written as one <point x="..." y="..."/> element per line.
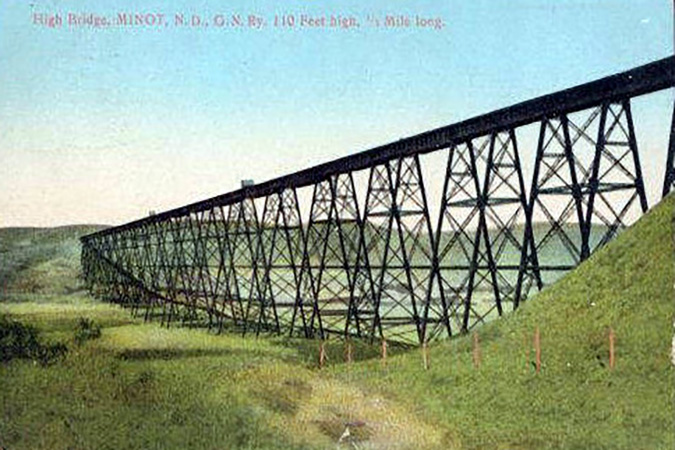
<point x="372" y="258"/>
<point x="669" y="178"/>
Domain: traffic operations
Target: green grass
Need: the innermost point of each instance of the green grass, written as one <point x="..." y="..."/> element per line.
<point x="143" y="386"/>
<point x="36" y="263"/>
<point x="576" y="401"/>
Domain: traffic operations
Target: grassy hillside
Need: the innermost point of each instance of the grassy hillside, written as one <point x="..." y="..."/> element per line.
<point x="576" y="401"/>
<point x="44" y="261"/>
<point x="140" y="385"/>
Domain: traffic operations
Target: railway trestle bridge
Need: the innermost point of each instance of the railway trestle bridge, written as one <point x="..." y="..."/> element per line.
<point x="356" y="247"/>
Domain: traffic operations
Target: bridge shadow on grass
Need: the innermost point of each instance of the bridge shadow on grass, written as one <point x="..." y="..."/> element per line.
<point x="147" y="354"/>
<point x="337" y="349"/>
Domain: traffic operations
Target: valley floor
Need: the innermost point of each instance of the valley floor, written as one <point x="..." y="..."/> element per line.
<point x="140" y="385"/>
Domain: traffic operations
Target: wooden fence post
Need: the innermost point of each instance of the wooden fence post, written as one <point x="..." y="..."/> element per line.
<point x="425" y="355"/>
<point x="322" y="354"/>
<point x="384" y="353"/>
<point x="611" y="348"/>
<point x="537" y="348"/>
<point x="476" y="350"/>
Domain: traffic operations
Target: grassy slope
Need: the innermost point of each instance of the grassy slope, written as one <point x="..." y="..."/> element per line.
<point x="575" y="402"/>
<point x="140" y="384"/>
<point x="42" y="261"/>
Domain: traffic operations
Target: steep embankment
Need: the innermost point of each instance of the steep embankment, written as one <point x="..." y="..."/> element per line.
<point x="576" y="401"/>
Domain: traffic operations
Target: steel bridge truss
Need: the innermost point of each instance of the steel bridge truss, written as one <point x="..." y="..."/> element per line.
<point x="369" y="259"/>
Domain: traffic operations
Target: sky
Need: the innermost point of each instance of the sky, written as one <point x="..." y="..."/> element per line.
<point x="102" y="125"/>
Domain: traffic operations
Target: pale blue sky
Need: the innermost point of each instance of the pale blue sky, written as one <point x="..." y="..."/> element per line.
<point x="101" y="126"/>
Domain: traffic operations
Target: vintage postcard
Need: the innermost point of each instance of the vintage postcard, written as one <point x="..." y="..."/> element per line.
<point x="337" y="224"/>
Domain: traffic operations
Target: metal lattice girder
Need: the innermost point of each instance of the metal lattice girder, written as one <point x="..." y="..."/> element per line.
<point x="224" y="296"/>
<point x="377" y="221"/>
<point x="283" y="237"/>
<point x="399" y="243"/>
<point x="248" y="261"/>
<point x="227" y="293"/>
<point x="206" y="250"/>
<point x="205" y="232"/>
<point x="586" y="171"/>
<point x="504" y="212"/>
<point x="555" y="209"/>
<point x="362" y="320"/>
<point x="180" y="262"/>
<point x="488" y="242"/>
<point x="233" y="237"/>
<point x="669" y="177"/>
<point x="456" y="233"/>
<point x="615" y="185"/>
<point x="264" y="317"/>
<point x="315" y="240"/>
<point x="326" y="304"/>
<point x="258" y="315"/>
<point x="243" y="235"/>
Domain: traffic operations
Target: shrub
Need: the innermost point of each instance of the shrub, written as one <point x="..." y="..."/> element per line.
<point x="47" y="354"/>
<point x="18" y="340"/>
<point x="86" y="330"/>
